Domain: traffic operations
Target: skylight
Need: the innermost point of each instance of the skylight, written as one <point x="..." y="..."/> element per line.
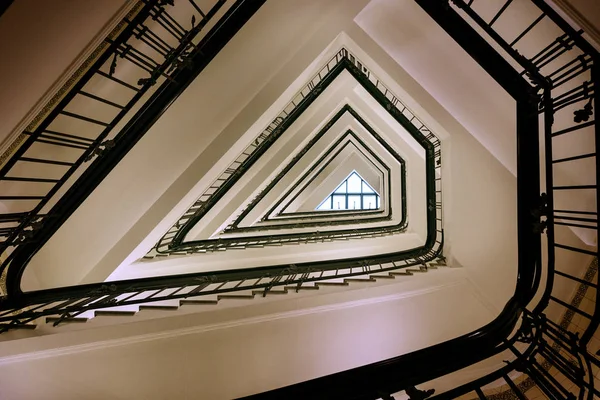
<point x="354" y="193"/>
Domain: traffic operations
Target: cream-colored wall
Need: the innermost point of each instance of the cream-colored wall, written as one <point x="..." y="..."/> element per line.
<point x="583" y="14"/>
<point x="479" y="192"/>
<point x="446" y="72"/>
<point x="479" y="187"/>
<point x="87" y="255"/>
<point x="589" y="9"/>
<point x="229" y="353"/>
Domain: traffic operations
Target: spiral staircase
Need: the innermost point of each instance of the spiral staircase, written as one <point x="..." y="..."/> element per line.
<point x="159" y="205"/>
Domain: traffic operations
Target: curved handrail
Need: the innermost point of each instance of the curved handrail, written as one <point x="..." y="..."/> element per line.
<point x="167" y="246"/>
<point x="383" y="378"/>
<point x="174" y="239"/>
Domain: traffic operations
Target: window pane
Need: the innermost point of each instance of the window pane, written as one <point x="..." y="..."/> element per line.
<point x="354" y="202"/>
<point x="339" y="202"/>
<point x="341" y="189"/>
<point x="326" y="205"/>
<point x="366" y="188"/>
<point x="354" y="183"/>
<point x="370" y="202"/>
<point x="348" y="196"/>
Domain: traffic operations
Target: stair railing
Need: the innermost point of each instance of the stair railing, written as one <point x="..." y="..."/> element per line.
<point x="20" y="309"/>
<point x="147" y="48"/>
<point x="173" y="241"/>
<point x="561" y="361"/>
<point x="552" y="350"/>
<point x="323" y="232"/>
<point x="157" y="50"/>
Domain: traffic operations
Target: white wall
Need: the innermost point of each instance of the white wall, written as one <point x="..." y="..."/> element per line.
<point x="446" y="72"/>
<point x="234" y="352"/>
<point x="479" y="192"/>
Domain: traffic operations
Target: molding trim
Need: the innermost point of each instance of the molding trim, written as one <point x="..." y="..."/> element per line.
<point x="136" y="339"/>
<point x="584" y="23"/>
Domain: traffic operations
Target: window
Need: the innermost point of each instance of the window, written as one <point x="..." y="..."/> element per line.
<point x="354" y="193"/>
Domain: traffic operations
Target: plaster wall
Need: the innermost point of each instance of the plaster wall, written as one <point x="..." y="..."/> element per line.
<point x="239" y="351"/>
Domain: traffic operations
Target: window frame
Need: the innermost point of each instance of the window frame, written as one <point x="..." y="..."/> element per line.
<point x="346" y="194"/>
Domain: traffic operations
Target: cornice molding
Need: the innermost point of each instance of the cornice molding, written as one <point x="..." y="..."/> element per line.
<point x="577" y="17"/>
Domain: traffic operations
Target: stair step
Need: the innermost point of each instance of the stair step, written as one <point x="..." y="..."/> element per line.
<point x="332" y="284"/>
<point x="416" y="270"/>
<point x="260" y="292"/>
<point x="158" y="307"/>
<point x="309" y="287"/>
<point x="382" y="276"/>
<point x="359" y="280"/>
<point x="113" y="313"/>
<point x="197" y="302"/>
<point x="51" y="320"/>
<point x="235" y="296"/>
<point x="398" y="273"/>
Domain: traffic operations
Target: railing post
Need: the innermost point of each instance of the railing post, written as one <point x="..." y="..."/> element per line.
<point x="549" y="200"/>
<point x="528" y="196"/>
<point x="595" y="75"/>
